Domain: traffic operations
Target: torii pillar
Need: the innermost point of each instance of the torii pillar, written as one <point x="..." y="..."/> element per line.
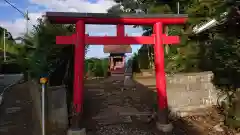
<point x="158" y="38"/>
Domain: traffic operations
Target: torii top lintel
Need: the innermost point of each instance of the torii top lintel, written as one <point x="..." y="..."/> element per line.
<point x="106" y="18"/>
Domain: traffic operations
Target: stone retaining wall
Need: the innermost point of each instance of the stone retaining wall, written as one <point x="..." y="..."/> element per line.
<point x="187" y="91"/>
<point x="191" y="89"/>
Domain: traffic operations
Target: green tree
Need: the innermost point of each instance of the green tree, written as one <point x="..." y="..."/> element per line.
<point x="48" y="56"/>
<point x="15" y="52"/>
<point x="97" y="67"/>
<point x="216" y="50"/>
<point x="135" y="63"/>
<point x="187" y="56"/>
<point x="11" y="46"/>
<point x="224" y="55"/>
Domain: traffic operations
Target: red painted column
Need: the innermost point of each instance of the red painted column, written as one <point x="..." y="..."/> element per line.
<point x="160" y="74"/>
<point x="120" y="30"/>
<point x="79" y="66"/>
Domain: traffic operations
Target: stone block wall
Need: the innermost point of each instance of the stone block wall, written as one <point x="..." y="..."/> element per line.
<point x="191" y="90"/>
<point x="186" y="91"/>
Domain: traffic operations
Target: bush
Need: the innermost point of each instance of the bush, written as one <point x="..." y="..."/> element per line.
<point x="96" y="67"/>
<point x="135" y="63"/>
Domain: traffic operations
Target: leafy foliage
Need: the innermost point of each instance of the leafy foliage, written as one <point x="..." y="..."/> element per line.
<point x="15" y="53"/>
<point x="47" y="56"/>
<point x="96" y="67"/>
<point x="135" y="63"/>
<point x="11" y="46"/>
<point x="215" y="50"/>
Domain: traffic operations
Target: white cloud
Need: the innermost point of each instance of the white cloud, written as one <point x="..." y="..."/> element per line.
<point x="100" y="6"/>
<point x="18" y="26"/>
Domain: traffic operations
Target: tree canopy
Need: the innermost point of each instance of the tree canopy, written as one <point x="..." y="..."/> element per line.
<point x="216" y="49"/>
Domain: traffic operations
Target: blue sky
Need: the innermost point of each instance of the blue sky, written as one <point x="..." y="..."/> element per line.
<point x="15" y="23"/>
<point x="10" y="14"/>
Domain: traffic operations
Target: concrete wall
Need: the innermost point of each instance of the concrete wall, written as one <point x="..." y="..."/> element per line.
<point x="186" y="91"/>
<point x="56" y="108"/>
<point x="34" y="90"/>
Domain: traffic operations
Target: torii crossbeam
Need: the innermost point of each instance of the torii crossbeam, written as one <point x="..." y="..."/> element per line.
<point x="79" y="39"/>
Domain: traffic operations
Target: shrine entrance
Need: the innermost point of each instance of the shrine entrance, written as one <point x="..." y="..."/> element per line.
<point x="116" y="63"/>
<point x="80" y="39"/>
<point x="117" y="57"/>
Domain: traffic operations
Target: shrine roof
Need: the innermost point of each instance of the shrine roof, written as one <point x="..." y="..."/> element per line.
<point x="117" y="49"/>
<point x="107" y="18"/>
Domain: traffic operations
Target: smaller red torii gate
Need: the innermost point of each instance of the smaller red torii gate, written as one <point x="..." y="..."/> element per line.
<point x="80" y="39"/>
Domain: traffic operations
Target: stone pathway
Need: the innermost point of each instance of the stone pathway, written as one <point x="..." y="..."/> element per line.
<point x="116" y="112"/>
<point x="110" y="111"/>
<point x="16" y="112"/>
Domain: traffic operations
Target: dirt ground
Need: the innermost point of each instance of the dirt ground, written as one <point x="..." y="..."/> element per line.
<point x="110" y="111"/>
<point x="16" y="113"/>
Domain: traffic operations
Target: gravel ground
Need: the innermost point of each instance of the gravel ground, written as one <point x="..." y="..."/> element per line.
<point x="105" y="104"/>
<point x="121" y="130"/>
<point x="111" y="111"/>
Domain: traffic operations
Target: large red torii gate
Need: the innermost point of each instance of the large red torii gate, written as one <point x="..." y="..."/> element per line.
<point x="79" y="39"/>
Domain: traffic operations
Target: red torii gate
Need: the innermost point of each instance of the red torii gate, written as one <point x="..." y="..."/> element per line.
<point x="79" y="39"/>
